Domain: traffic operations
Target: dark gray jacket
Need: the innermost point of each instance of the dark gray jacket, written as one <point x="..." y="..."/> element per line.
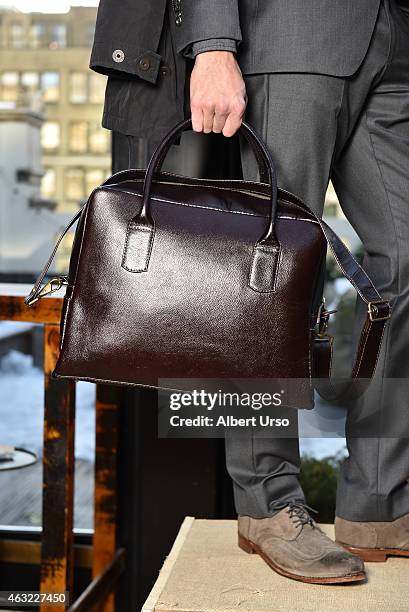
<point x="134" y="48"/>
<point x="321" y="36"/>
<point x="142" y="46"/>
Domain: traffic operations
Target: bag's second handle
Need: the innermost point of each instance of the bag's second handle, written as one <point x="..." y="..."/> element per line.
<point x="140" y="233"/>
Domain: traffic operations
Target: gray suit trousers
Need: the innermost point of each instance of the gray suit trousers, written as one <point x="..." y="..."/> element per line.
<point x="354" y="131"/>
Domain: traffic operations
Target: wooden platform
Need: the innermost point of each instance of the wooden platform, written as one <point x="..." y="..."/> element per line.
<point x="206" y="572"/>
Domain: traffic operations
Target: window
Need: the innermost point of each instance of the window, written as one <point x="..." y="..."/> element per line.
<point x="50" y="86"/>
<point x="86" y="87"/>
<point x="99" y="139"/>
<point x="93" y="178"/>
<point x="37" y="35"/>
<point x="58" y="36"/>
<point x="78" y="184"/>
<point x="50" y="136"/>
<point x="30" y="81"/>
<point x="48" y="183"/>
<point x="97" y="83"/>
<point x="9" y="86"/>
<point x="78" y="137"/>
<point x="78" y="87"/>
<point x="12" y="84"/>
<point x="88" y="138"/>
<point x="74" y="184"/>
<point x="42" y="35"/>
<point x="16" y="35"/>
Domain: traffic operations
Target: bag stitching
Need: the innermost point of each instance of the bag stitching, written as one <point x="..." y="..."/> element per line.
<point x="128" y="233"/>
<point x="255" y="248"/>
<point x="233" y="212"/>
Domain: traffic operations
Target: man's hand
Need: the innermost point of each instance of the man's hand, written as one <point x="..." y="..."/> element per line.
<point x="217" y="93"/>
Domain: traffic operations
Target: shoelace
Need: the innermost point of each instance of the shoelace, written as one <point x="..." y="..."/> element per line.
<point x="298" y="511"/>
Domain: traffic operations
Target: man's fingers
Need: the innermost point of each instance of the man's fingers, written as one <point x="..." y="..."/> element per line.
<point x="208" y="116"/>
<point x="197" y="119"/>
<point x="206" y="120"/>
<point x="219" y="119"/>
<point x="233" y="123"/>
<point x="234" y="119"/>
<point x="217" y="93"/>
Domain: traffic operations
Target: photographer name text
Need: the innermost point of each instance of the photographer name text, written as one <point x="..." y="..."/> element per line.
<point x="228" y="421"/>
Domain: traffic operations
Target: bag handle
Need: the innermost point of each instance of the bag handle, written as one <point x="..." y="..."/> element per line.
<point x="141" y="228"/>
<point x="264" y="160"/>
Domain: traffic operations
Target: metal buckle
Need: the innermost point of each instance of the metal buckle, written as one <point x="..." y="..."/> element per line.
<point x="52" y="286"/>
<point x="373" y="310"/>
<point x="323" y="320"/>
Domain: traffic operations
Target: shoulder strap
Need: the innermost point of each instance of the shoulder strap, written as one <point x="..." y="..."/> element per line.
<point x="38" y="291"/>
<point x="378" y="312"/>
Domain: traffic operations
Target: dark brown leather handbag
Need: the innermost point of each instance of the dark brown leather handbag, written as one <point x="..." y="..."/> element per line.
<point x="174" y="277"/>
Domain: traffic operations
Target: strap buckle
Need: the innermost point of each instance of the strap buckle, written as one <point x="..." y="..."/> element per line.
<point x="50" y="287"/>
<point x="374" y="312"/>
<point x="323" y="320"/>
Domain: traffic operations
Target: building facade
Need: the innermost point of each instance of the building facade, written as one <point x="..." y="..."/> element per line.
<point x="44" y="58"/>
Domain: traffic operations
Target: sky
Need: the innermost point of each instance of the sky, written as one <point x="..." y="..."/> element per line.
<point x="45" y="6"/>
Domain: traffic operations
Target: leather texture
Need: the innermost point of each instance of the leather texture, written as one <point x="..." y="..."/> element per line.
<point x="173" y="277"/>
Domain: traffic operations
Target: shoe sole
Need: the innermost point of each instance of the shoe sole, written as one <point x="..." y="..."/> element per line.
<point x="251" y="548"/>
<point x="377" y="555"/>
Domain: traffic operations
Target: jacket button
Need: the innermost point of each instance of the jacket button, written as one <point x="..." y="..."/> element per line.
<point x="165" y="70"/>
<point x="144" y="64"/>
<point x="118" y="55"/>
